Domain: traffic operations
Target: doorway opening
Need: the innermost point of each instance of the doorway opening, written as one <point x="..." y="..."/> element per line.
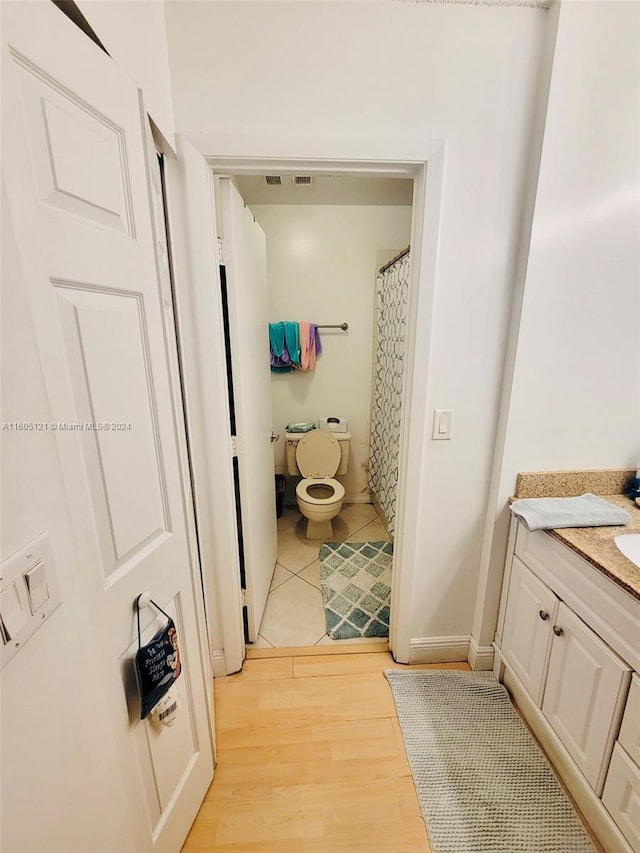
<point x="197" y="209"/>
<point x="335" y="255"/>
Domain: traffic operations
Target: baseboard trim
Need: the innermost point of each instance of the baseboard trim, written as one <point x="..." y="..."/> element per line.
<point x="439" y="649"/>
<point x="365" y="647"/>
<point x="218" y="664"/>
<point x="480" y="657"/>
<point x="357" y="498"/>
<point x="378" y="508"/>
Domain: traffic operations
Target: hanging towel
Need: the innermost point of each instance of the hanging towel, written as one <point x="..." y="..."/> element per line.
<point x="585" y="511"/>
<point x="305" y="342"/>
<point x="276" y="340"/>
<point x="292" y="342"/>
<point x="316" y="337"/>
<point x="278" y="356"/>
<point x="315" y="346"/>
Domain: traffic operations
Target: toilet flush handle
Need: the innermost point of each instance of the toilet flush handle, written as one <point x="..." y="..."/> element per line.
<point x="274" y="436"/>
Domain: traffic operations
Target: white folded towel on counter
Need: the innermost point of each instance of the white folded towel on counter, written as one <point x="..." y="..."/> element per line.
<point x="585" y="511"/>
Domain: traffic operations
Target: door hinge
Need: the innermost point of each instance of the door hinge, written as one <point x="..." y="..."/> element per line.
<point x="225" y="252"/>
<point x="243" y="595"/>
<point x="234" y="445"/>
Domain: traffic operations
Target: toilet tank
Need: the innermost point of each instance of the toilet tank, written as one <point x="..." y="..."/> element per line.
<point x="292" y="439"/>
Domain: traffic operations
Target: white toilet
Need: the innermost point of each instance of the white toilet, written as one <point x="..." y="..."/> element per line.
<point x="318" y="456"/>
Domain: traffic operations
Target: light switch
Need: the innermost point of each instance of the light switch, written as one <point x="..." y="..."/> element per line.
<point x="30" y="594"/>
<point x="12" y="613"/>
<point x="36" y="580"/>
<point x="442" y="424"/>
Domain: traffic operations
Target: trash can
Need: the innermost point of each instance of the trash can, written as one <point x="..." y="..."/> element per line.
<point x="281" y="484"/>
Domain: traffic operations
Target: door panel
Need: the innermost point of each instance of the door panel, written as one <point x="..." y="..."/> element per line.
<point x="164" y="754"/>
<point x="78" y="154"/>
<point x="527" y="636"/>
<point x="583" y="698"/>
<point x="108" y="359"/>
<point x="246" y="269"/>
<point x="77" y="189"/>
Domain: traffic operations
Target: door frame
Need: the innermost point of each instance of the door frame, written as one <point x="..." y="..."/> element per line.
<point x="193" y="213"/>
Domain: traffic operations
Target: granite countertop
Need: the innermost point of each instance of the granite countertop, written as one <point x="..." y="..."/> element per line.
<point x="594" y="544"/>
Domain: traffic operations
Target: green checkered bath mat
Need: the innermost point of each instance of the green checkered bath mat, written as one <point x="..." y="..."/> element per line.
<point x="355" y="578"/>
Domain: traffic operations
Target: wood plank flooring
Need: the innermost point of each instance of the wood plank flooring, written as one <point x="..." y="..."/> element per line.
<point x="310" y="760"/>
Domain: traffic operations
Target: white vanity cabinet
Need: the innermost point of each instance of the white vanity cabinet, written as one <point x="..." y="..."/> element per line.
<point x="621" y="794"/>
<point x="567" y="670"/>
<point x="568" y="640"/>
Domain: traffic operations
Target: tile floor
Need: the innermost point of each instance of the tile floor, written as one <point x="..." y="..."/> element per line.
<point x="294" y="615"/>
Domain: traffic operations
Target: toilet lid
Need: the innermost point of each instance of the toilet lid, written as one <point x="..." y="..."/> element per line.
<point x="318" y="454"/>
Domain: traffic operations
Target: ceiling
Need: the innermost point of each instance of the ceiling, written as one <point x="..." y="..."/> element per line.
<point x="326" y="189"/>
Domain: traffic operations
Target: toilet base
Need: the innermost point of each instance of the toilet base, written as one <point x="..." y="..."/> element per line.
<point x="319" y="529"/>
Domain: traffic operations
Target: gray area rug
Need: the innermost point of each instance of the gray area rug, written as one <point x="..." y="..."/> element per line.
<point x="355" y="579"/>
<point x="483" y="784"/>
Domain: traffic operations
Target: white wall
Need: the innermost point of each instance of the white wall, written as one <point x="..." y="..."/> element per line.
<point x="134" y="35"/>
<point x="61" y="783"/>
<point x="321" y="262"/>
<point x="462" y="73"/>
<point x="575" y="399"/>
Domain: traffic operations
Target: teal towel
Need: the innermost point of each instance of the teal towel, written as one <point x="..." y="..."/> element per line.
<point x="292" y="341"/>
<point x="585" y="511"/>
<point x="276" y="338"/>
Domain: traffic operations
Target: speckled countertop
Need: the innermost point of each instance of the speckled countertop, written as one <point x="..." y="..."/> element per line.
<point x="595" y="544"/>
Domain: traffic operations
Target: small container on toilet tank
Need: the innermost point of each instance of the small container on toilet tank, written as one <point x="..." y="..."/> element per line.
<point x="333" y="424"/>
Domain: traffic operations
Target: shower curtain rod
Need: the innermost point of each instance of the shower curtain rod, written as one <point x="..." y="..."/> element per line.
<point x="343" y="326"/>
<point x="395" y="260"/>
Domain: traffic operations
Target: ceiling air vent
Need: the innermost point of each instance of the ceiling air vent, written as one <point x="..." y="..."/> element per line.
<point x="273" y="180"/>
<point x="302" y="180"/>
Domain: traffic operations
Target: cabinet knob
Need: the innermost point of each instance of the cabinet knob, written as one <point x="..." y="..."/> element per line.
<point x="543" y="615"/>
<point x="558" y="631"/>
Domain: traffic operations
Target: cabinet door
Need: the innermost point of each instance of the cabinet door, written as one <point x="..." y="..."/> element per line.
<point x="621" y="796"/>
<point x="531" y="611"/>
<point x="629" y="736"/>
<point x="586" y="688"/>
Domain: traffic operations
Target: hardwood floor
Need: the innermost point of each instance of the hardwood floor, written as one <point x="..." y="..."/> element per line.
<point x="310" y="760"/>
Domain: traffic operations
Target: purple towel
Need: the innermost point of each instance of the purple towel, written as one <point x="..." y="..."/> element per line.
<point x="316" y="335"/>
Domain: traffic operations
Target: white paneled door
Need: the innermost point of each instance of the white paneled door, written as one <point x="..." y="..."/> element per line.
<point x="74" y="151"/>
<point x="245" y="257"/>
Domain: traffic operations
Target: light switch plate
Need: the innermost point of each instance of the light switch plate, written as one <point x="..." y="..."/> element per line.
<point x="29" y="594"/>
<point x="442" y="424"/>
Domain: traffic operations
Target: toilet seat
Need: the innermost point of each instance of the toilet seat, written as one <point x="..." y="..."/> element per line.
<point x="304" y="485"/>
<point x="318" y="455"/>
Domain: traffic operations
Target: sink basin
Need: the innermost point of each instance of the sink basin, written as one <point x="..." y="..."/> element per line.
<point x="629" y="545"/>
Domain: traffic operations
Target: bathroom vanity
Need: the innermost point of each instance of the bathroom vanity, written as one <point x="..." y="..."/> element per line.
<point x="568" y="650"/>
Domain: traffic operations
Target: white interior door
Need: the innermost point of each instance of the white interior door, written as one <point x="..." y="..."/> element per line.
<point x="245" y="258"/>
<point x="78" y="194"/>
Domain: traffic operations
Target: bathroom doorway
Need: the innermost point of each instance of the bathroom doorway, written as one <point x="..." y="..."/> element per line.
<point x="195" y="210"/>
<point x="327" y="238"/>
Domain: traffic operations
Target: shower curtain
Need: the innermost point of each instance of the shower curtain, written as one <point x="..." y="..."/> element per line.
<point x="392" y="292"/>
